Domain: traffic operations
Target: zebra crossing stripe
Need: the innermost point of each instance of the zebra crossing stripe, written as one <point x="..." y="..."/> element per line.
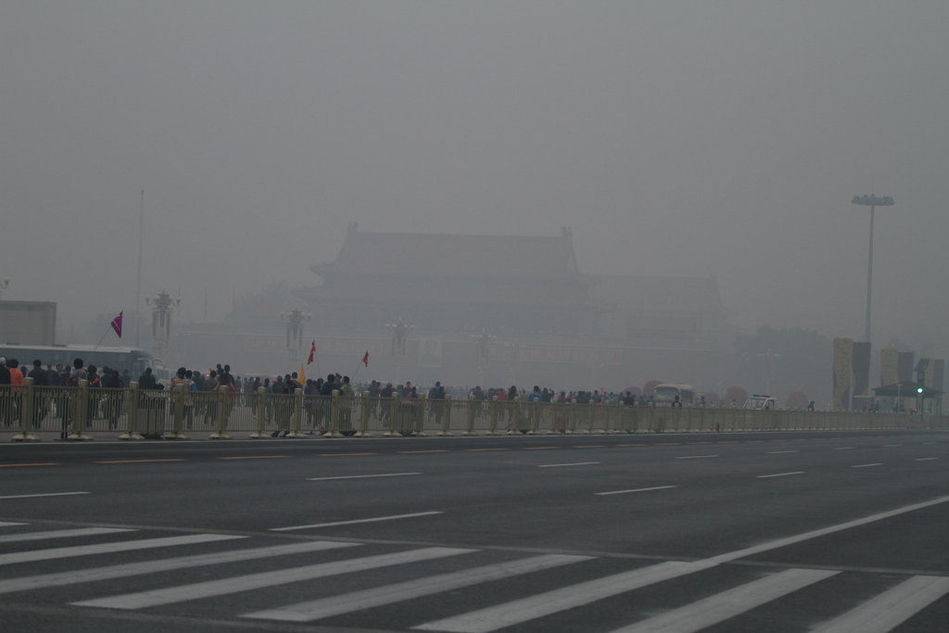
<point x="889" y="609"/>
<point x="720" y="607"/>
<point x="124" y="570"/>
<point x="108" y="548"/>
<point x="539" y="605"/>
<point x="42" y="536"/>
<point x="388" y="594"/>
<point x="208" y="589"/>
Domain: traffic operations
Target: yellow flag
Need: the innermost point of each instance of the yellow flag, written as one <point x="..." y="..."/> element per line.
<point x="302" y="376"/>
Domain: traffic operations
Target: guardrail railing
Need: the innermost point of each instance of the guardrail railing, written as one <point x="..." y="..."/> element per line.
<point x="82" y="412"/>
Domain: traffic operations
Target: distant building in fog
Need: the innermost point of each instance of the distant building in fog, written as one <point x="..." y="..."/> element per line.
<point x="480" y="309"/>
<point x="28" y="322"/>
<point x="443" y="284"/>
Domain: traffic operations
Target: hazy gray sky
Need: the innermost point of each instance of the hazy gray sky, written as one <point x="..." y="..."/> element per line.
<point x="683" y="138"/>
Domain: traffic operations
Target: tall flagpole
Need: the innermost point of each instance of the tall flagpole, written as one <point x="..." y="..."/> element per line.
<point x="138" y="283"/>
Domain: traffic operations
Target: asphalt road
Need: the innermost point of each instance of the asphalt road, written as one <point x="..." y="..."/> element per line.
<point x="768" y="532"/>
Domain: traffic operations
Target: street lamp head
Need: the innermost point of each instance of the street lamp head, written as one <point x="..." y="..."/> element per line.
<point x="873" y="201"/>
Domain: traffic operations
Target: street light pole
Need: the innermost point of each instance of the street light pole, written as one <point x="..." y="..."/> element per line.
<point x="873" y="202"/>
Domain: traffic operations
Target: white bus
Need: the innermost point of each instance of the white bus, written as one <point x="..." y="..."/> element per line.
<point x="129" y="359"/>
<point x="664" y="395"/>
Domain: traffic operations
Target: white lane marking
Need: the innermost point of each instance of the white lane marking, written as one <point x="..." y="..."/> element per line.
<point x="8" y="523"/>
<point x="867" y="465"/>
<point x="891" y="445"/>
<point x="108" y="548"/>
<point x="549" y="602"/>
<point x="42" y="536"/>
<point x="781" y="452"/>
<point x="623" y="492"/>
<point x="361" y="476"/>
<point x="539" y="605"/>
<point x="355" y="521"/>
<point x="570" y="464"/>
<point x="398" y="592"/>
<point x="124" y="570"/>
<point x="845" y="448"/>
<point x="696" y="456"/>
<point x="787" y="474"/>
<point x="225" y="586"/>
<point x="889" y="609"/>
<point x="46" y="494"/>
<point x="925" y="459"/>
<point x="728" y="604"/>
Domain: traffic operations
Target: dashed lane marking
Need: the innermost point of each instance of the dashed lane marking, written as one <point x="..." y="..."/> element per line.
<point x="434" y="450"/>
<point x="788" y="474"/>
<point x="486" y="450"/>
<point x="29" y="465"/>
<point x="139" y="461"/>
<point x="925" y="459"/>
<point x="623" y="492"/>
<point x="254" y="457"/>
<point x="361" y="476"/>
<point x="696" y="456"/>
<point x="781" y="452"/>
<point x="355" y="521"/>
<point x="345" y="454"/>
<point x="867" y="465"/>
<point x="46" y="494"/>
<point x="569" y="464"/>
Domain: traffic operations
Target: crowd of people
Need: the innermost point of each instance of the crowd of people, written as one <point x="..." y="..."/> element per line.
<point x="11" y="373"/>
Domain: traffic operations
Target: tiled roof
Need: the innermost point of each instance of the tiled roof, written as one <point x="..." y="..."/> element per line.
<point x="435" y="255"/>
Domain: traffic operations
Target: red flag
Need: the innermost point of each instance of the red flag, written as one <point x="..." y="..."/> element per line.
<point x="117" y="324"/>
<point x="365" y="358"/>
<point x="309" y="359"/>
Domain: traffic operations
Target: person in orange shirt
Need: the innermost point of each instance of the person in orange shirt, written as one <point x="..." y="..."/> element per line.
<point x="16" y="375"/>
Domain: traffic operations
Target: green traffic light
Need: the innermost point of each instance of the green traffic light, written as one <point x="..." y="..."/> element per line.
<point x="919" y="390"/>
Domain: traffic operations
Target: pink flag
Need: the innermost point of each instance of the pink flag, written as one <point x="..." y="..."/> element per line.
<point x="117" y="324"/>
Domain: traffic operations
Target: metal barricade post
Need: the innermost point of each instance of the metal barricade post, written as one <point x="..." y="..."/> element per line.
<point x="446" y="416"/>
<point x="79" y="404"/>
<point x="364" y="404"/>
<point x="222" y="415"/>
<point x="261" y="413"/>
<point x="471" y="415"/>
<point x="333" y="429"/>
<point x="418" y="416"/>
<point x="26" y="413"/>
<point x="178" y="395"/>
<point x="131" y="413"/>
<point x="296" y="430"/>
<point x="393" y="415"/>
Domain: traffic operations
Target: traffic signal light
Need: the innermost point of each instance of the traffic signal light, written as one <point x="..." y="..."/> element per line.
<point x="919" y="390"/>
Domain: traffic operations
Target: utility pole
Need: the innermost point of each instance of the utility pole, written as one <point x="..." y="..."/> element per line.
<point x="873" y="202"/>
